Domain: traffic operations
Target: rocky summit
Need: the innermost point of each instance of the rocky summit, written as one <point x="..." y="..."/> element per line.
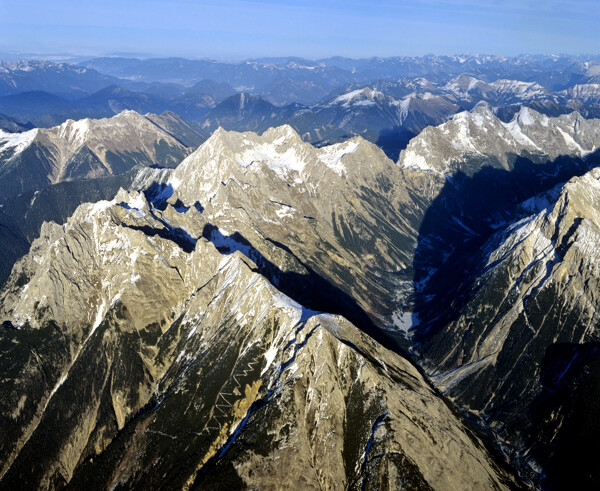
<point x="140" y="352"/>
<point x="271" y="314"/>
<point x="83" y="149"/>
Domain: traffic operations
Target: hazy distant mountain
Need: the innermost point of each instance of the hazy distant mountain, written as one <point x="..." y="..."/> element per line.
<point x="175" y="70"/>
<point x="114" y="99"/>
<point x="552" y="72"/>
<point x="40" y="108"/>
<point x="282" y="80"/>
<point x="61" y="79"/>
<point x="289" y="82"/>
<point x="11" y="125"/>
<point x="218" y="90"/>
<point x="45" y="110"/>
<point x="246" y="112"/>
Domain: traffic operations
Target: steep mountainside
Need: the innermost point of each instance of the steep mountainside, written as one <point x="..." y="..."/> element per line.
<point x="82" y="150"/>
<point x="505" y="292"/>
<point x="528" y="310"/>
<point x="481" y="137"/>
<point x="187" y="132"/>
<point x="155" y="357"/>
<point x="13" y="243"/>
<point x="342" y="219"/>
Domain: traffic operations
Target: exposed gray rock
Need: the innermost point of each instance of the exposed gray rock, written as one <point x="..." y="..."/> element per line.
<point x="146" y="356"/>
<point x="83" y="149"/>
<point x="479" y="134"/>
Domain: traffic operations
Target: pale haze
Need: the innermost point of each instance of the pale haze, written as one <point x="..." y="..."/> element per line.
<point x="236" y="29"/>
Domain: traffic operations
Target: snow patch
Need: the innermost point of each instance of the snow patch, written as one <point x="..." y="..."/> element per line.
<point x="525" y="117"/>
<point x="332" y="155"/>
<point x="16" y="141"/>
<point x="413" y="161"/>
<point x="280" y="163"/>
<point x="365" y="96"/>
<point x="404" y="321"/>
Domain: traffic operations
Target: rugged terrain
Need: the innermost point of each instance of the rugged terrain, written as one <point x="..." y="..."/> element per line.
<point x="83" y="149"/>
<point x="529" y="302"/>
<point x="197" y="370"/>
<point x="505" y="298"/>
<point x="264" y="278"/>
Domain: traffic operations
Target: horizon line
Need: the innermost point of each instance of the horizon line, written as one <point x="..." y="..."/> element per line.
<point x="7" y="56"/>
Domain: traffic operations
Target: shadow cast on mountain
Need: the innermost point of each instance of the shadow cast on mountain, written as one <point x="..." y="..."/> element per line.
<point x="565" y="424"/>
<point x="309" y="289"/>
<point x="393" y="140"/>
<point x="469" y="209"/>
<point x="159" y="193"/>
<point x="180" y="237"/>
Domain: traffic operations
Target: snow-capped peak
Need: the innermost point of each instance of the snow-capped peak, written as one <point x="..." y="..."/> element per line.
<point x="365" y="96"/>
<point x="230" y="156"/>
<point x="526" y="116"/>
<point x="16" y="142"/>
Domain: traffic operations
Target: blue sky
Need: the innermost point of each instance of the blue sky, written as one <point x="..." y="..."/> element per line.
<point x="238" y="29"/>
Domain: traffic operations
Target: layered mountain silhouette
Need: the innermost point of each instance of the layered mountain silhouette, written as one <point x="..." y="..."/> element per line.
<point x="217" y="302"/>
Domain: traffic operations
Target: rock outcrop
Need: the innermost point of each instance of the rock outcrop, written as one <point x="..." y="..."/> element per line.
<point x="83" y="149"/>
<point x="136" y="353"/>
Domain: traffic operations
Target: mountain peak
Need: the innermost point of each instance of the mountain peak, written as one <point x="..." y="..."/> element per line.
<point x="280" y="134"/>
<point x="481" y="134"/>
<point x="483" y="108"/>
<point x="230" y="156"/>
<point x="527" y="116"/>
<point x="129" y="113"/>
<point x="89" y="148"/>
<point x="364" y="96"/>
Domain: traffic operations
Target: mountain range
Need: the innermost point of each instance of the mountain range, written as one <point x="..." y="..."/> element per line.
<point x="154" y="347"/>
<point x="387" y="111"/>
<point x="46" y="173"/>
<point x="261" y="297"/>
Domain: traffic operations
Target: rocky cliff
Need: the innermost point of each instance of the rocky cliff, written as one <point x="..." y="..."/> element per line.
<point x="136" y="353"/>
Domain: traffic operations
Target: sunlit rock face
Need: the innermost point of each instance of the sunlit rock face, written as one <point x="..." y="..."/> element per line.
<point x="231" y="318"/>
<point x="83" y="149"/>
<point x="138" y="352"/>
